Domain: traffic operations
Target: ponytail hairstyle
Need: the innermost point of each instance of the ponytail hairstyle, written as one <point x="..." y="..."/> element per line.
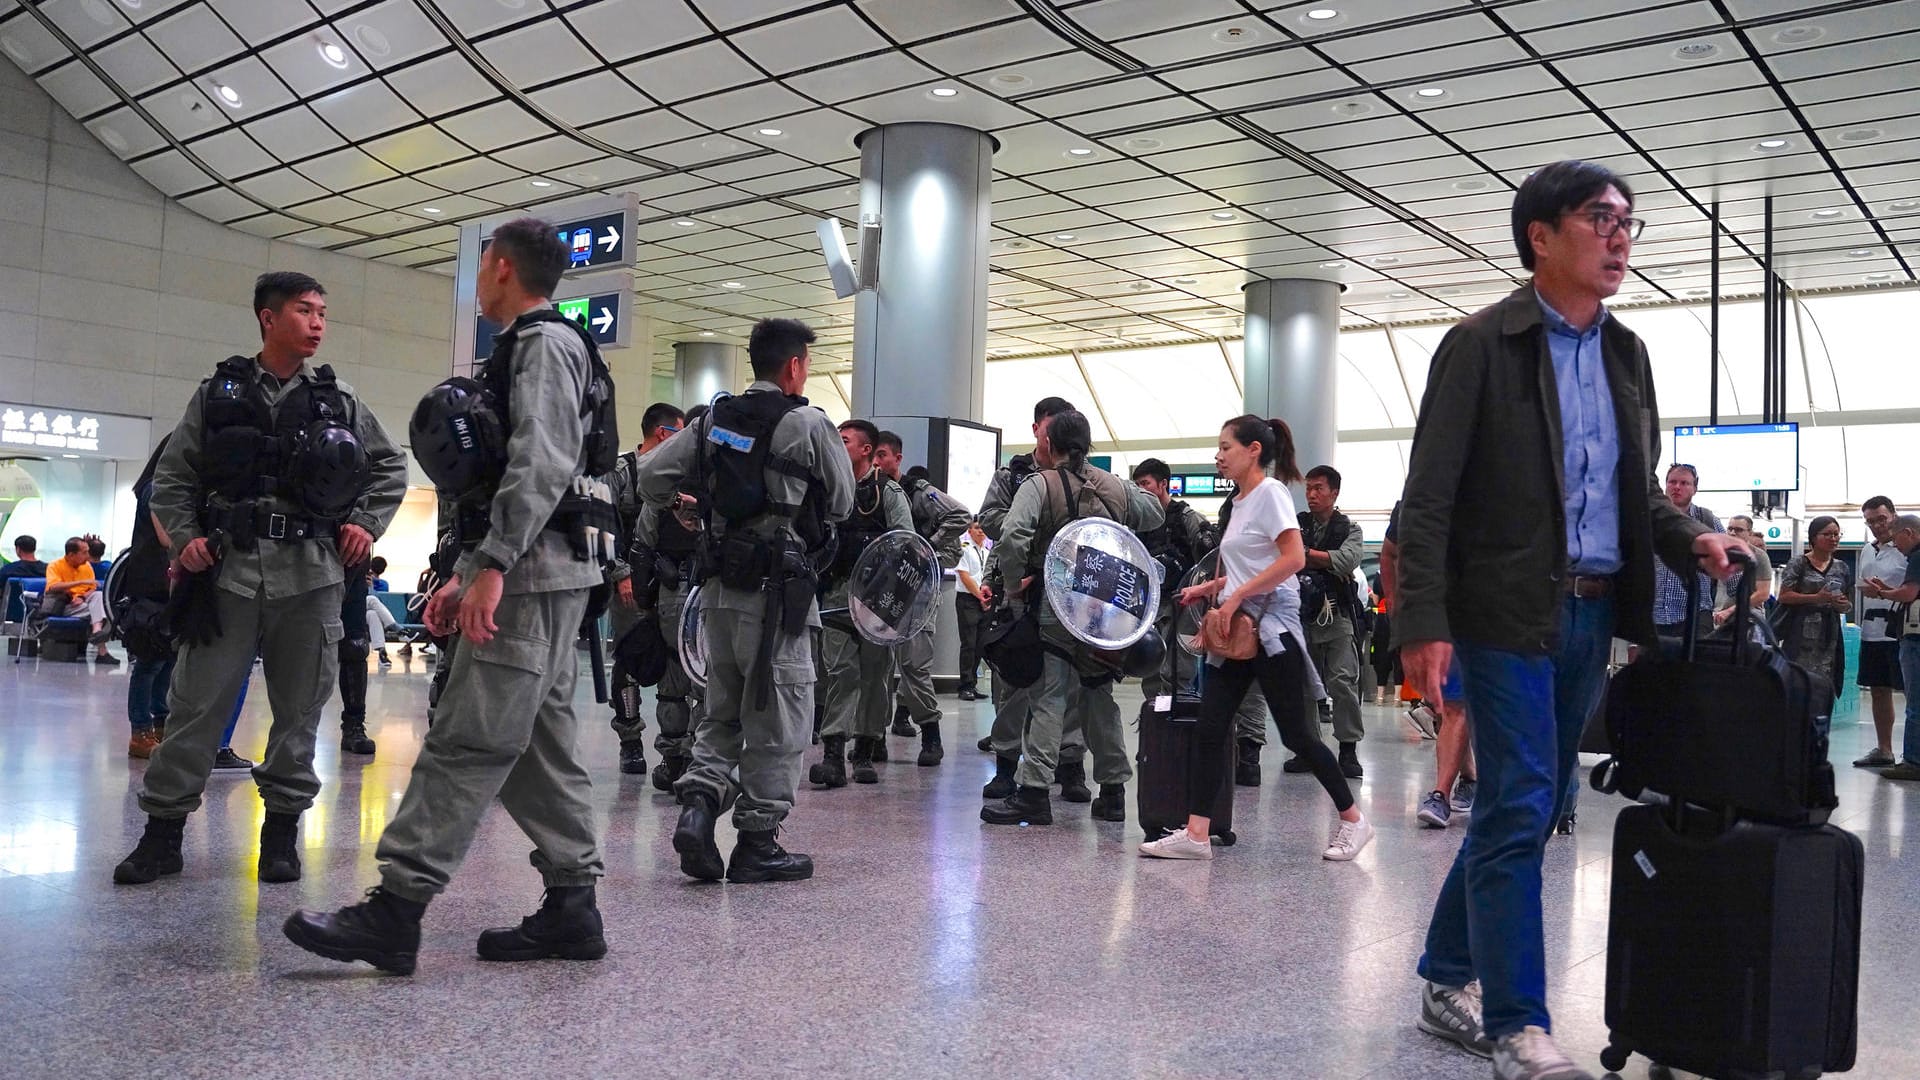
<point x="1276" y="444"/>
<point x="1071" y="436"/>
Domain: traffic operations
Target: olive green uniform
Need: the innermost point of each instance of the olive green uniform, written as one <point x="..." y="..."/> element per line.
<point x="627" y="722"/>
<point x="505" y="723"/>
<point x="858" y="701"/>
<point x="1013" y="705"/>
<point x="280" y="601"/>
<point x="745" y="754"/>
<point x="941" y="519"/>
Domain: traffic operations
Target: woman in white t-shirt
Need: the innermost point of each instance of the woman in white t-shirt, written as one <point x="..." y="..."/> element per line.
<point x="1260" y="552"/>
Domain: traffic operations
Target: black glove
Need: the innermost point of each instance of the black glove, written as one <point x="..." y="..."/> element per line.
<point x="193" y="608"/>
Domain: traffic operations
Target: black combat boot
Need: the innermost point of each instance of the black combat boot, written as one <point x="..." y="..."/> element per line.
<point x="1112" y="803"/>
<point x="1072" y="778"/>
<point x="693" y="837"/>
<point x="157" y="853"/>
<point x="1028" y="805"/>
<point x="353" y="739"/>
<point x="1350" y="761"/>
<point x="1002" y="784"/>
<point x="383" y="930"/>
<point x="832" y="770"/>
<point x="1246" y="769"/>
<point x="931" y="751"/>
<point x="633" y="756"/>
<point x="985" y="745"/>
<point x="903" y="722"/>
<point x="672" y="767"/>
<point x="878" y="745"/>
<point x="567" y="927"/>
<point x="279" y="854"/>
<point x="862" y="758"/>
<point x="758" y="856"/>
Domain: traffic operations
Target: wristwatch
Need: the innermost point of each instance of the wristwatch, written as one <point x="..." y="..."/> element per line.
<point x="483" y="561"/>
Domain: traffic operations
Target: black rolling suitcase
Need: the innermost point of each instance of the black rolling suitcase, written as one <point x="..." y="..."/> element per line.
<point x="1733" y="947"/>
<point x="1166" y="741"/>
<point x="1724" y="722"/>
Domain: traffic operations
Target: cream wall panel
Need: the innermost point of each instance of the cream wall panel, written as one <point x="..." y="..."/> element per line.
<point x="76" y="387"/>
<point x="92" y="259"/>
<point x="103" y="349"/>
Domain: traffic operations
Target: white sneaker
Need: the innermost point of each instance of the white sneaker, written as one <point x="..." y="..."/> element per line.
<point x="1423" y="721"/>
<point x="1177" y="845"/>
<point x="1530" y="1054"/>
<point x="1348" y="838"/>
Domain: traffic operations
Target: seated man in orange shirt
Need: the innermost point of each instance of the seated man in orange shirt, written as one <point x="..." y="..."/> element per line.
<point x="71" y="590"/>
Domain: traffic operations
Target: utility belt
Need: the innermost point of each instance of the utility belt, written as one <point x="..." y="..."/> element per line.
<point x="777" y="567"/>
<point x="585" y="516"/>
<point x="247" y="523"/>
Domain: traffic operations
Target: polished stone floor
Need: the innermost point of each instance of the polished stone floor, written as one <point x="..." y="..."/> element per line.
<point x="928" y="945"/>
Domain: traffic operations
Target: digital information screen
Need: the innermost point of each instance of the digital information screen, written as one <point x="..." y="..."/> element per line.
<point x="973" y="454"/>
<point x="1197" y="485"/>
<point x="1741" y="457"/>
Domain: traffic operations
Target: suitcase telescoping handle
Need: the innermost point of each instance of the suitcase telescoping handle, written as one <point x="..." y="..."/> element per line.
<point x="1742" y="605"/>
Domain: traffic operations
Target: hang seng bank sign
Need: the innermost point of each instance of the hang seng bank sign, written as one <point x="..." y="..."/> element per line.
<point x="36" y="431"/>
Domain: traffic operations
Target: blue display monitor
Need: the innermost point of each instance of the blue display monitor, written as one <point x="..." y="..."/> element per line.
<point x="1741" y="457"/>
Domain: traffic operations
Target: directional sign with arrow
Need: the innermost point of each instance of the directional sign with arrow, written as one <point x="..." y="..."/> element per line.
<point x="595" y="241"/>
<point x="606" y="316"/>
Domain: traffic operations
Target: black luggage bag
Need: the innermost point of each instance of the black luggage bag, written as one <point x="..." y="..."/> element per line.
<point x="1733" y="947"/>
<point x="1166" y="742"/>
<point x="1726" y="722"/>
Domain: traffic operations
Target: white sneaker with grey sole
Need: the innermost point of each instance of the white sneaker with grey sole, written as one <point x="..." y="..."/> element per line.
<point x="1348" y="838"/>
<point x="1178" y="844"/>
<point x="1531" y="1054"/>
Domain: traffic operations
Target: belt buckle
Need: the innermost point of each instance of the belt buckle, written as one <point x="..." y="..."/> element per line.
<point x="276" y="526"/>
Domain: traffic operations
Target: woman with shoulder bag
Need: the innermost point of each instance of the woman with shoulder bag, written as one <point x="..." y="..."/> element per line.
<point x="1254" y="633"/>
<point x="1816" y="588"/>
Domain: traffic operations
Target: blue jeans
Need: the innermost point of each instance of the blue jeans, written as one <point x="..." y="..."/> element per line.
<point x="1910" y="672"/>
<point x="147" y="682"/>
<point x="1527" y="714"/>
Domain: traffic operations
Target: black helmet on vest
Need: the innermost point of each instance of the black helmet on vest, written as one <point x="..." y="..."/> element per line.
<point x="459" y="438"/>
<point x="332" y="468"/>
<point x="1144" y="657"/>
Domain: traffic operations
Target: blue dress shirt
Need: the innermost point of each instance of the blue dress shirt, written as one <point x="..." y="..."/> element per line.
<point x="1591" y="459"/>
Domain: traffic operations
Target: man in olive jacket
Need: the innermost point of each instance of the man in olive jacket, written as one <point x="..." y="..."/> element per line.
<point x="1529" y="528"/>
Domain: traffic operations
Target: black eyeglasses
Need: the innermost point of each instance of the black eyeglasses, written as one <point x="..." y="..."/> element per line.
<point x="1605" y="223"/>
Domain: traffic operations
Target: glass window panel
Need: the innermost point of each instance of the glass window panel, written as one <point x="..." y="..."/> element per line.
<point x="1371" y="393"/>
<point x="1170" y="392"/>
<point x="824" y="391"/>
<point x="1416" y="345"/>
<point x="1372" y="475"/>
<point x="1860" y="356"/>
<point x="1014" y="385"/>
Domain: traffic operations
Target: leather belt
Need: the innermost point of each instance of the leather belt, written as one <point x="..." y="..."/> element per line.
<point x="1589" y="588"/>
<point x="268" y="525"/>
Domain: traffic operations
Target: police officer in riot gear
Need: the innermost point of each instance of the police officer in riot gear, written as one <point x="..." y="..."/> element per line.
<point x="1012" y="704"/>
<point x="856" y="669"/>
<point x="772" y="477"/>
<point x="274" y="476"/>
<point x="659" y="423"/>
<point x="941" y="519"/>
<point x="1062" y="489"/>
<point x="664" y="560"/>
<point x="1179" y="544"/>
<point x="505" y="724"/>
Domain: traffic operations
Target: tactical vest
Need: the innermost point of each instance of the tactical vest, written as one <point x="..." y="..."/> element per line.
<point x="866" y="523"/>
<point x="1091" y="492"/>
<point x="736" y="455"/>
<point x="1318" y="586"/>
<point x="305" y="451"/>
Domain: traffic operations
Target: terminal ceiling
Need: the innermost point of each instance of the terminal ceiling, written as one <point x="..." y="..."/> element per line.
<point x="1154" y="155"/>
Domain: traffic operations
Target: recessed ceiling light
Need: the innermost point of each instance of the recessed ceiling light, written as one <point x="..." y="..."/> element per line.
<point x="1236" y="35"/>
<point x="706" y="333"/>
<point x="1696" y="292"/>
<point x="1904" y="205"/>
<point x="1385" y="260"/>
<point x="1765" y="145"/>
<point x="1827" y="214"/>
<point x="333" y="54"/>
<point x="770" y="132"/>
<point x="1330" y="266"/>
<point x="1470" y="185"/>
<point x="1009" y="80"/>
<point x="1398" y="295"/>
<point x="1879" y="277"/>
<point x="1063" y="236"/>
<point x="732" y="285"/>
<point x="1080" y="151"/>
<point x="943" y="92"/>
<point x="1430" y="93"/>
<point x="685" y="223"/>
<point x="1697" y="50"/>
<point x="1860" y="253"/>
<point x="227" y="94"/>
<point x="114" y="140"/>
<point x="1668" y="270"/>
<point x="1018" y="245"/>
<point x="430" y="210"/>
<point x="1863" y="134"/>
<point x="1352" y="107"/>
<point x="540" y="183"/>
<point x="1443" y="313"/>
<point x="1185" y="281"/>
<point x="1141" y="286"/>
<point x="1223" y="215"/>
<point x="1143" y="142"/>
<point x="372" y="41"/>
<point x="1322" y="14"/>
<point x="1797" y="35"/>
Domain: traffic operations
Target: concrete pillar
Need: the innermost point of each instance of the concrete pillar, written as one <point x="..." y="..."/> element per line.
<point x="1292" y="353"/>
<point x="919" y="339"/>
<point x="705" y="368"/>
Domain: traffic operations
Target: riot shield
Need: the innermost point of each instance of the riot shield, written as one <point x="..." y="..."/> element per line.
<point x="693" y="639"/>
<point x="1186" y="620"/>
<point x="894" y="588"/>
<point x="1101" y="583"/>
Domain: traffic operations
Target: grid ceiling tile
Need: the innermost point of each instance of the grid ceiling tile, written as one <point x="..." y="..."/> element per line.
<point x="622" y="29"/>
<point x="864" y="77"/>
<point x="474" y="17"/>
<point x="184" y="110"/>
<point x="134" y="64"/>
<point x="915" y="20"/>
<point x="87" y="23"/>
<point x="292" y="134"/>
<point x="172" y="173"/>
<point x="442" y="84"/>
<point x="539" y="53"/>
<point x="502" y="123"/>
<point x="79" y="90"/>
<point x="810" y="40"/>
<point x="281" y="187"/>
<point x="391" y="33"/>
<point x="591" y="98"/>
<point x="1256" y="95"/>
<point x="219" y="204"/>
<point x="745" y="107"/>
<point x="365" y="110"/>
<point x="691" y="72"/>
<point x="194" y="38"/>
<point x="298" y="62"/>
<point x="261" y="21"/>
<point x="344" y="169"/>
<point x="232" y="153"/>
<point x="1008" y="47"/>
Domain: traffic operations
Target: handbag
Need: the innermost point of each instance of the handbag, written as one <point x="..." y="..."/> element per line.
<point x="1228" y="639"/>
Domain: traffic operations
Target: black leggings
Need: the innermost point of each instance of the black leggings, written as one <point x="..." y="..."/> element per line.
<point x="1284" y="682"/>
